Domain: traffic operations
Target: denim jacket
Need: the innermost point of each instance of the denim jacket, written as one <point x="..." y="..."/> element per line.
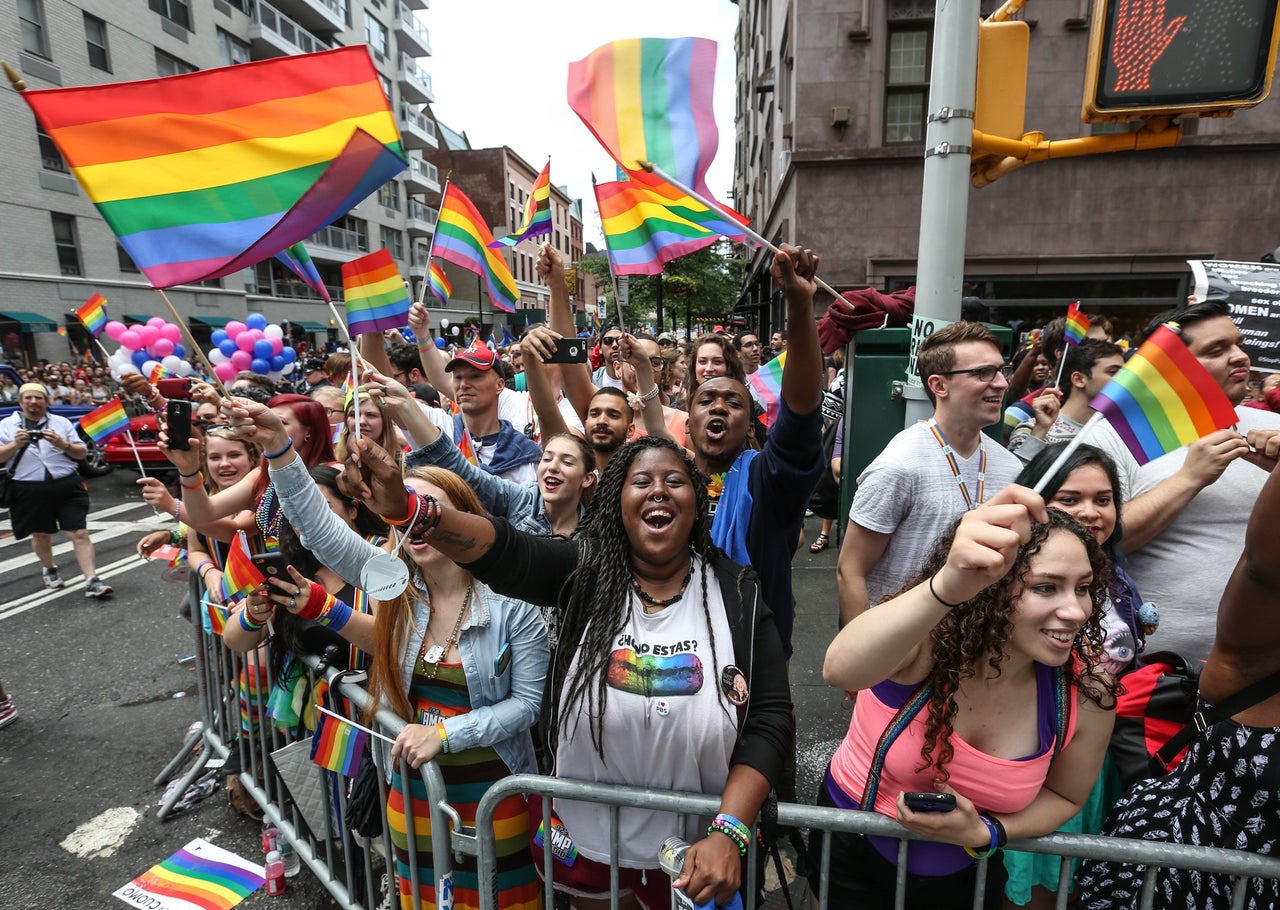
<point x="503" y="706"/>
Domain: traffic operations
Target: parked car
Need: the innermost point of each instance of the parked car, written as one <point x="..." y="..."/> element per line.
<point x="144" y="431"/>
<point x="95" y="462"/>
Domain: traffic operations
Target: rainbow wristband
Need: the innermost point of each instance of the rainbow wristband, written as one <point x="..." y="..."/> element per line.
<point x="336" y="614"/>
<point x="247" y="623"/>
<point x="444" y="739"/>
<point x="733" y="829"/>
<point x="992" y="847"/>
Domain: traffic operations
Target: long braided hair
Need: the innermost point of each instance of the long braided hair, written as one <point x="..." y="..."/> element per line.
<point x="979" y="630"/>
<point x="599" y="602"/>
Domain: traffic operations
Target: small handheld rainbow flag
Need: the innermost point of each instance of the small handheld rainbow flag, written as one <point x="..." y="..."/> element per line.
<point x="466" y="448"/>
<point x="439" y="283"/>
<point x="375" y="293"/>
<point x="338" y="745"/>
<point x="240" y="575"/>
<point x="537" y="213"/>
<point x="463" y="238"/>
<point x="93" y="314"/>
<point x="1163" y="398"/>
<point x="298" y="260"/>
<point x="1077" y="324"/>
<point x="767" y="382"/>
<point x="217" y="617"/>
<point x="158" y="372"/>
<point x="106" y="421"/>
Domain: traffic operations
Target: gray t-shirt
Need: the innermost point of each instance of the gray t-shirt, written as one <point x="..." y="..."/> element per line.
<point x="1184" y="569"/>
<point x="910" y="492"/>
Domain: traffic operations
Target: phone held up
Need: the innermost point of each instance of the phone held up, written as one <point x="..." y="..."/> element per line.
<point x="569" y="350"/>
<point x="272" y="564"/>
<point x="178" y="423"/>
<point x="174" y="388"/>
<point x="922" y="801"/>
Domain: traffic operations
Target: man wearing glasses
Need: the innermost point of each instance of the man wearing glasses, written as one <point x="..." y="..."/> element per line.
<point x="607" y="376"/>
<point x="930" y="473"/>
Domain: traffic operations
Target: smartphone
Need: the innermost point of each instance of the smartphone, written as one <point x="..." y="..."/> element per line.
<point x="174" y="388"/>
<point x="178" y="423"/>
<point x="272" y="565"/>
<point x="569" y="350"/>
<point x="920" y="801"/>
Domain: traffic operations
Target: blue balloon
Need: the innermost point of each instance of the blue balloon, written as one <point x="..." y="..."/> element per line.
<point x="227" y="346"/>
<point x="218" y="336"/>
<point x="289" y="354"/>
<point x="440" y="343"/>
<point x="139" y="358"/>
<point x="262" y="349"/>
<point x="277" y="363"/>
<point x="260" y="366"/>
<point x="256" y="321"/>
<point x="179" y="351"/>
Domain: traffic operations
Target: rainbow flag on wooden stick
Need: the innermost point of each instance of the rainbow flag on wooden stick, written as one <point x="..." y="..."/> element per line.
<point x="537" y="213"/>
<point x="1077" y="324"/>
<point x="1164" y="398"/>
<point x="203" y="174"/>
<point x="767" y="382"/>
<point x="93" y="314"/>
<point x="239" y="576"/>
<point x="217" y="617"/>
<point x="338" y="745"/>
<point x="439" y="283"/>
<point x="298" y="260"/>
<point x="375" y="293"/>
<point x="463" y="238"/>
<point x="106" y="421"/>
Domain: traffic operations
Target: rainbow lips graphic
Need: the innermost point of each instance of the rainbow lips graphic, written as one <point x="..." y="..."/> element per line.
<point x="678" y="674"/>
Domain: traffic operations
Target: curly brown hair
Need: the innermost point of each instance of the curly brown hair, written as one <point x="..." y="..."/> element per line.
<point x="980" y="629"/>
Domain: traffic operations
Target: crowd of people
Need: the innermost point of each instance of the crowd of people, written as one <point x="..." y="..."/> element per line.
<point x="586" y="569"/>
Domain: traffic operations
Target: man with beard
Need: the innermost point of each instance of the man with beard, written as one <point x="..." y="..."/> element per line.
<point x="608" y="424"/>
<point x="499" y="447"/>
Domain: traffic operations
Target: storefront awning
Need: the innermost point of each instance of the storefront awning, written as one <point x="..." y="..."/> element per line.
<point x="136" y="317"/>
<point x="216" y="322"/>
<point x="29" y="322"/>
<point x="308" y="326"/>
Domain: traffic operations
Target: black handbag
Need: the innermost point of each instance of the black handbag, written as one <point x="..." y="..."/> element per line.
<point x="6" y="478"/>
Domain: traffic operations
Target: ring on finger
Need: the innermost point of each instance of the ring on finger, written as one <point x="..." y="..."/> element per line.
<point x="293" y="602"/>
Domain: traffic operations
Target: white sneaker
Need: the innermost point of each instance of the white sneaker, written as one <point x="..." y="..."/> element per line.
<point x="96" y="587"/>
<point x="51" y="579"/>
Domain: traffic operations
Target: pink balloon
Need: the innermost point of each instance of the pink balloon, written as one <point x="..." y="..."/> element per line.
<point x="129" y="339"/>
<point x="257" y="334"/>
<point x="276" y="344"/>
<point x="241" y="360"/>
<point x="162" y="348"/>
<point x="233" y="328"/>
<point x="226" y="371"/>
<point x="172" y="332"/>
<point x="115" y="329"/>
<point x="148" y="334"/>
<point x="155" y="322"/>
<point x="244" y="341"/>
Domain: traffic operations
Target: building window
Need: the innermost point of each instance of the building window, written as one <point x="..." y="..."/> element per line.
<point x="124" y="260"/>
<point x="95" y="39"/>
<point x="66" y="243"/>
<point x="386" y="85"/>
<point x="31" y="20"/>
<point x="357" y="230"/>
<point x="50" y="158"/>
<point x="907" y="84"/>
<point x="168" y="65"/>
<point x="389" y="195"/>
<point x="176" y="11"/>
<point x="393" y="240"/>
<point x="231" y="49"/>
<point x="375" y="35"/>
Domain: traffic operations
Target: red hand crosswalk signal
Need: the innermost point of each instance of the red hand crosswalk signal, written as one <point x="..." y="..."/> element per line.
<point x="1173" y="57"/>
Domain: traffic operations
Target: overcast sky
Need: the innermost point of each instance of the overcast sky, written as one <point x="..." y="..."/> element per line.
<point x="499" y="70"/>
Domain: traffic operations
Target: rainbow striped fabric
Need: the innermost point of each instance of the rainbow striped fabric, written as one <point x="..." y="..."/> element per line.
<point x="375" y="293"/>
<point x="93" y="314"/>
<point x="466" y="448"/>
<point x="158" y="372"/>
<point x="217" y="617"/>
<point x="106" y="421"/>
<point x="463" y="238"/>
<point x="198" y="875"/>
<point x="439" y="283"/>
<point x="1077" y="324"/>
<point x="1163" y="398"/>
<point x="767" y="382"/>
<point x="537" y="213"/>
<point x="650" y="99"/>
<point x="298" y="260"/>
<point x="203" y="174"/>
<point x="239" y="575"/>
<point x="338" y="746"/>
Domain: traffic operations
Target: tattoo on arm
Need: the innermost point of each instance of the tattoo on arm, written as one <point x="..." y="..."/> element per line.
<point x="464" y="543"/>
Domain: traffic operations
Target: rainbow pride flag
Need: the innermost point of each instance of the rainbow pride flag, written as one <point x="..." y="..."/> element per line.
<point x="93" y="314"/>
<point x="375" y="293"/>
<point x="298" y="260"/>
<point x="1077" y="324"/>
<point x="106" y="421"/>
<point x="199" y="875"/>
<point x="203" y="174"/>
<point x="1163" y="398"/>
<point x="647" y="226"/>
<point x="439" y="283"/>
<point x="650" y="99"/>
<point x="337" y="745"/>
<point x="158" y="372"/>
<point x="467" y="449"/>
<point x="463" y="238"/>
<point x="537" y="213"/>
<point x="239" y="576"/>
<point x="217" y="617"/>
<point x="767" y="383"/>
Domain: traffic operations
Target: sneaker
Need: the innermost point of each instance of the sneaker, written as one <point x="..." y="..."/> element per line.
<point x="8" y="713"/>
<point x="96" y="587"/>
<point x="51" y="579"/>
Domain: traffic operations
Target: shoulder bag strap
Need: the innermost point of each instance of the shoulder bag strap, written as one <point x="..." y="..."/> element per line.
<point x="12" y="466"/>
<point x="910" y="708"/>
<point x="1201" y="721"/>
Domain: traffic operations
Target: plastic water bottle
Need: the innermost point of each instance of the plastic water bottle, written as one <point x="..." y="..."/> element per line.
<point x="671" y="859"/>
<point x="275" y="874"/>
<point x="289" y="856"/>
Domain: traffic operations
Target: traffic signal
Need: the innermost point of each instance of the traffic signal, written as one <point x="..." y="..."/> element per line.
<point x="1173" y="57"/>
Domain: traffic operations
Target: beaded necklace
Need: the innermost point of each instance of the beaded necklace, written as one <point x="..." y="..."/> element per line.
<point x="267" y="515"/>
<point x="654" y="602"/>
<point x="436" y="654"/>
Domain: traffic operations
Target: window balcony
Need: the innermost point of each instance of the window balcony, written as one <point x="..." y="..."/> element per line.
<point x="337" y="244"/>
<point x="417" y="130"/>
<point x="273" y="34"/>
<point x="316" y="15"/>
<point x="413" y="37"/>
<point x="418" y="4"/>
<point x="421" y="219"/>
<point x="421" y="176"/>
<point x="415" y="84"/>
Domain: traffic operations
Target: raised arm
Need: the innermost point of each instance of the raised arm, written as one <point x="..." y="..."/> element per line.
<point x="793" y="270"/>
<point x="433" y="360"/>
<point x="539" y="344"/>
<point x="575" y="378"/>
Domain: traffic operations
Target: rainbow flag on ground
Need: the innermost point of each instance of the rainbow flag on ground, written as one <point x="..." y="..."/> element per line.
<point x="239" y="575"/>
<point x="337" y="745"/>
<point x="375" y="293"/>
<point x="650" y="99"/>
<point x="198" y="875"/>
<point x="1163" y="398"/>
<point x="106" y="421"/>
<point x="93" y="314"/>
<point x="537" y="213"/>
<point x="298" y="260"/>
<point x="463" y="238"/>
<point x="203" y="174"/>
<point x="439" y="283"/>
<point x="1077" y="324"/>
<point x="767" y="383"/>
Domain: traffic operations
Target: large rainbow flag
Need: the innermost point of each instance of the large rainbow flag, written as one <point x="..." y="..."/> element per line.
<point x="375" y="293"/>
<point x="1163" y="398"/>
<point x="650" y="99"/>
<point x="337" y="745"/>
<point x="93" y="314"/>
<point x="537" y="213"/>
<point x="199" y="875"/>
<point x="106" y="421"/>
<point x="202" y="174"/>
<point x="463" y="238"/>
<point x="647" y="226"/>
<point x="767" y="383"/>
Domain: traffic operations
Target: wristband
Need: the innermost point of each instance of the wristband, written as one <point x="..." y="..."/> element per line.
<point x="247" y="623"/>
<point x="203" y="565"/>
<point x="175" y="538"/>
<point x="1002" y="836"/>
<point x="991" y="847"/>
<point x="939" y="599"/>
<point x="651" y="394"/>
<point x="336" y="614"/>
<point x="177" y="511"/>
<point x="316" y="604"/>
<point x="272" y="455"/>
<point x="192" y="474"/>
<point x="427" y="522"/>
<point x="733" y="829"/>
<point x="444" y="739"/>
<point x="415" y="506"/>
<point x="195" y="486"/>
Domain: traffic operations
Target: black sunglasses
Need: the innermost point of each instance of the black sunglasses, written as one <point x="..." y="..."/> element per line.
<point x="611" y="340"/>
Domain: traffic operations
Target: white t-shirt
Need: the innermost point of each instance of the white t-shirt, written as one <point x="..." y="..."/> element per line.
<point x="910" y="492"/>
<point x="667" y="725"/>
<point x="1184" y="569"/>
<point x="517" y="409"/>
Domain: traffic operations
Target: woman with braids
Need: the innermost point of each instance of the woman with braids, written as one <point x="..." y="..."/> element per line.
<point x="668" y="675"/>
<point x="980" y="680"/>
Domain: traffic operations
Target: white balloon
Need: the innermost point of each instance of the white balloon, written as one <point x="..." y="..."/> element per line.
<point x="172" y="362"/>
<point x="273" y="331"/>
<point x="150" y="365"/>
<point x="276" y="375"/>
<point x="185" y="369"/>
<point x="127" y="368"/>
<point x="216" y="357"/>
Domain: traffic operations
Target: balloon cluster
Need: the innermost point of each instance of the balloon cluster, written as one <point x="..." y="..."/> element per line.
<point x="251" y="345"/>
<point x="143" y="347"/>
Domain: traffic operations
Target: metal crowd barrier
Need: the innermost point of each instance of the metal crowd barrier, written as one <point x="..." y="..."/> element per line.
<point x="349" y="872"/>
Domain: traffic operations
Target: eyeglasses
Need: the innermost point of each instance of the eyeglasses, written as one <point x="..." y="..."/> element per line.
<point x="982" y="374"/>
<point x="656" y="362"/>
<point x="333" y="410"/>
<point x="610" y="340"/>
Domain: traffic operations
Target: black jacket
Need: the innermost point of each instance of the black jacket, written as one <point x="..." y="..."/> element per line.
<point x="539" y="570"/>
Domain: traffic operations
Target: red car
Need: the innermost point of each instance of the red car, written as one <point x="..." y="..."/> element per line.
<point x="144" y="432"/>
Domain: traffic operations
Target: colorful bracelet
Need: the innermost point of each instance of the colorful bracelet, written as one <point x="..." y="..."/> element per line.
<point x="195" y="486"/>
<point x="415" y="507"/>
<point x="1002" y="836"/>
<point x="992" y="847"/>
<point x="192" y="474"/>
<point x="336" y="614"/>
<point x="428" y="520"/>
<point x="177" y="511"/>
<point x="273" y="455"/>
<point x="248" y="623"/>
<point x="733" y="829"/>
<point x="444" y="739"/>
<point x="316" y="604"/>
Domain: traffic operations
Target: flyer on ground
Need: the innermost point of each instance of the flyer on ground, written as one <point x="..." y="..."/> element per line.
<point x="200" y="876"/>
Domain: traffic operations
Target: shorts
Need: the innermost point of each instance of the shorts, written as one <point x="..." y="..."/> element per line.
<point x="49" y="506"/>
